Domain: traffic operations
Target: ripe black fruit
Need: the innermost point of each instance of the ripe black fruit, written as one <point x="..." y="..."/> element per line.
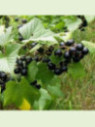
<point x="28" y="59"/>
<point x="41" y="50"/>
<point x="34" y="83"/>
<point x="69" y="42"/>
<point x="57" y="71"/>
<point x="62" y="44"/>
<point x="64" y="68"/>
<point x="72" y="50"/>
<point x="79" y="47"/>
<point x="58" y="52"/>
<point x="3" y="75"/>
<point x="38" y="86"/>
<point x="17" y="70"/>
<point x="76" y="59"/>
<point x="85" y="51"/>
<point x="51" y="65"/>
<point x="67" y="55"/>
<point x="24" y="71"/>
<point x="19" y="62"/>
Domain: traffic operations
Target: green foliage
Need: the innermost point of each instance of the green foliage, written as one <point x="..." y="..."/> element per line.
<point x="44" y="100"/>
<point x="8" y="58"/>
<point x="17" y="91"/>
<point x="76" y="71"/>
<point x="11" y="49"/>
<point x="5" y="35"/>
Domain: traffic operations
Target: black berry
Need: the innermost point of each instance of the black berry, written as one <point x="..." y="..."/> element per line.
<point x="67" y="55"/>
<point x="57" y="71"/>
<point x="24" y="71"/>
<point x="85" y="51"/>
<point x="79" y="47"/>
<point x="51" y="65"/>
<point x="69" y="42"/>
<point x="58" y="52"/>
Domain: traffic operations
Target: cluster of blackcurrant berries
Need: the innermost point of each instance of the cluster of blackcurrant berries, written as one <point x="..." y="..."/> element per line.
<point x="22" y="64"/>
<point x="70" y="52"/>
<point x="3" y="79"/>
<point x="35" y="84"/>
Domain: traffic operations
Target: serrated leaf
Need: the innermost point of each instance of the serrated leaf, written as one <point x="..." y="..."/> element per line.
<point x="35" y="31"/>
<point x="44" y="74"/>
<point x="6" y="36"/>
<point x="90" y="46"/>
<point x="55" y="90"/>
<point x="32" y="71"/>
<point x="7" y="60"/>
<point x="44" y="100"/>
<point x="17" y="91"/>
<point x="72" y="24"/>
<point x="76" y="71"/>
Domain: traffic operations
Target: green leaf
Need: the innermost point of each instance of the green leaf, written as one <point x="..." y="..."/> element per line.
<point x="76" y="71"/>
<point x="55" y="90"/>
<point x="32" y="71"/>
<point x="44" y="100"/>
<point x="7" y="60"/>
<point x="72" y="23"/>
<point x="44" y="74"/>
<point x="90" y="46"/>
<point x="17" y="91"/>
<point x="5" y="36"/>
<point x="35" y="31"/>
